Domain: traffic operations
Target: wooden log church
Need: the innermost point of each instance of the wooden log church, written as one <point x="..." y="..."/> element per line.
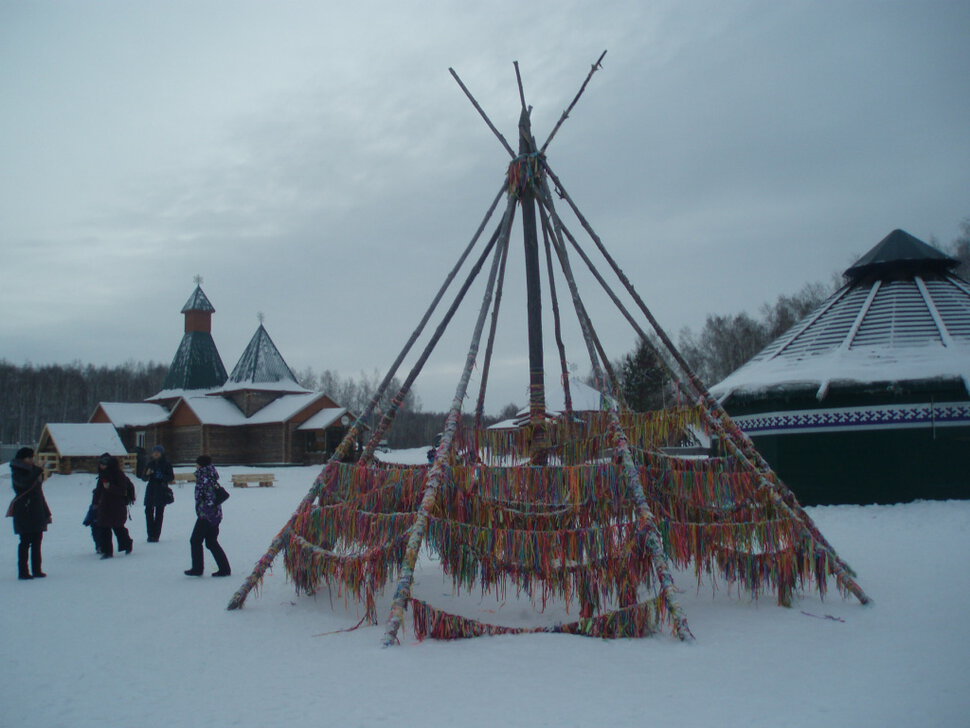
<point x="257" y="414"/>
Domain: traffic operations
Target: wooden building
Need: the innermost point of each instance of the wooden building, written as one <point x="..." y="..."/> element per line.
<point x="258" y="414"/>
<point x="867" y="400"/>
<point x="138" y="423"/>
<point x="67" y="447"/>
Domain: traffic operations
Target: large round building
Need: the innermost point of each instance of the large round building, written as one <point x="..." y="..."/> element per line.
<point x="867" y="399"/>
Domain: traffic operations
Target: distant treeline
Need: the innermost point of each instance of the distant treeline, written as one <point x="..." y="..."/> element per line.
<point x="33" y="395"/>
<point x="411" y="428"/>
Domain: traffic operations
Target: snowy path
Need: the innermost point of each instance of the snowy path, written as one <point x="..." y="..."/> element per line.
<point x="133" y="642"/>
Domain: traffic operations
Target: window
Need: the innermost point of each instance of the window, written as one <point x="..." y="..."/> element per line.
<point x="140" y="439"/>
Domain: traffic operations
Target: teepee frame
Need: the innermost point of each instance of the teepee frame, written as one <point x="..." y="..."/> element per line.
<point x="526" y="189"/>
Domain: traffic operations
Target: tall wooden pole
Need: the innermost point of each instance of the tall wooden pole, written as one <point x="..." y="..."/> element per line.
<point x="631" y="476"/>
<point x="438" y="473"/>
<point x="733" y="436"/>
<point x="527" y="163"/>
<point x="350" y="439"/>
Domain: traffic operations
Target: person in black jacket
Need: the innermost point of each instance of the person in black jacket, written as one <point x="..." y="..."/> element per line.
<point x="159" y="474"/>
<point x="111" y="500"/>
<point x="30" y="511"/>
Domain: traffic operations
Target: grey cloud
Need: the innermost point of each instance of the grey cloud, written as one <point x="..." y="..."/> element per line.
<point x="323" y="167"/>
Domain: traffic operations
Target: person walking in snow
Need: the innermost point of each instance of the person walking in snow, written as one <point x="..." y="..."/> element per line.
<point x="91" y="518"/>
<point x="30" y="512"/>
<point x="159" y="474"/>
<point x="208" y="517"/>
<point x="112" y="498"/>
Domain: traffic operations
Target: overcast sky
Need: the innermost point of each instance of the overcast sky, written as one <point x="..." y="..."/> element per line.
<point x="316" y="161"/>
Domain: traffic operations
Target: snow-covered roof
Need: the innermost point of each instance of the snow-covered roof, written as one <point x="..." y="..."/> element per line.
<point x="221" y="411"/>
<point x="903" y="319"/>
<point x="198" y="301"/>
<point x="134" y="414"/>
<point x="323" y="419"/>
<point x="505" y="425"/>
<point x="289" y="387"/>
<point x="858" y="365"/>
<point x="182" y="394"/>
<point x="261" y="363"/>
<point x="87" y="439"/>
<point x="584" y="397"/>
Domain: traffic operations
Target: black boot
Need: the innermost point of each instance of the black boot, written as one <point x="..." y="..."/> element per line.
<point x="23" y="549"/>
<point x="35" y="559"/>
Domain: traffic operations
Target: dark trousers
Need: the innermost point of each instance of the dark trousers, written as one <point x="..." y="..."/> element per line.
<point x="29" y="546"/>
<point x="124" y="540"/>
<point x="208" y="533"/>
<point x="153" y="520"/>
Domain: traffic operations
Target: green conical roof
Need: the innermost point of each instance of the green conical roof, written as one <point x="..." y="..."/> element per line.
<point x="261" y="362"/>
<point x="197" y="364"/>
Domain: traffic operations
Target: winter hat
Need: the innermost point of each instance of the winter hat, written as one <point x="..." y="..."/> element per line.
<point x="159" y="449"/>
<point x="105" y="459"/>
<point x="203" y="460"/>
<point x="24" y="453"/>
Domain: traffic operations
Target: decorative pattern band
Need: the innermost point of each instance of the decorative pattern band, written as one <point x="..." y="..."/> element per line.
<point x="900" y="416"/>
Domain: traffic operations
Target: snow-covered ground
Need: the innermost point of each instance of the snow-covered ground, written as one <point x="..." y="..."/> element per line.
<point x="133" y="642"/>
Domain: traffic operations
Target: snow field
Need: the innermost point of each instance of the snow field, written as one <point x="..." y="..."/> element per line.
<point x="134" y="642"/>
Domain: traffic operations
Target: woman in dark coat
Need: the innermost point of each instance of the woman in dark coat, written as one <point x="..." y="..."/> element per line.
<point x="31" y="514"/>
<point x="158" y="473"/>
<point x="111" y="500"/>
<point x="208" y="517"/>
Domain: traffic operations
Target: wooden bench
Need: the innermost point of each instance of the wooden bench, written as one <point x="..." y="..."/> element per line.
<point x="183" y="478"/>
<point x="265" y="480"/>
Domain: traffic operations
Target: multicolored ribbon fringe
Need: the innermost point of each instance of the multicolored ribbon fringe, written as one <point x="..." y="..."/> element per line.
<point x="572" y="532"/>
<point x="638" y="620"/>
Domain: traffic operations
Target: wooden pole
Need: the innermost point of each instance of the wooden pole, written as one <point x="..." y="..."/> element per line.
<point x="533" y="287"/>
<point x="418" y="529"/>
<point x="604" y="359"/>
<point x="565" y="115"/>
<point x="557" y="321"/>
<point x="481" y="111"/>
<point x="490" y="345"/>
<point x="349" y="440"/>
<point x="518" y="81"/>
<point x="774" y="490"/>
<point x="648" y="522"/>
<point x="391" y="413"/>
<point x="724" y="424"/>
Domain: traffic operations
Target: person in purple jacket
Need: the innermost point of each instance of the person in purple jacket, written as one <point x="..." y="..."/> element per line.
<point x="208" y="517"/>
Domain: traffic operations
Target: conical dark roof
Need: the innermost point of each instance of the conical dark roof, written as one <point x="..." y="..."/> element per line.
<point x="197" y="364"/>
<point x="198" y="301"/>
<point x="261" y="363"/>
<point x="900" y="250"/>
<point x="900" y="317"/>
